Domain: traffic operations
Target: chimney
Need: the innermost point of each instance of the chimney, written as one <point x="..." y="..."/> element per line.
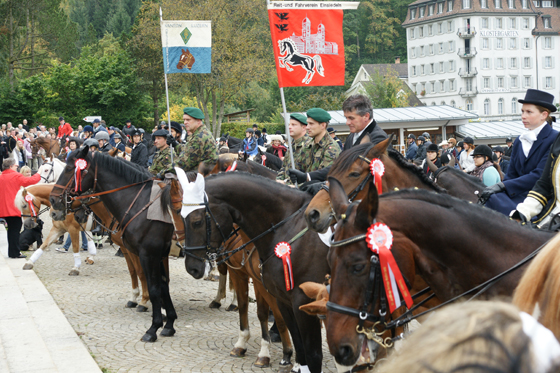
<point x="397" y="60"/>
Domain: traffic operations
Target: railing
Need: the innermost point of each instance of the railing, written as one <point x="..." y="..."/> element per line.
<point x="466" y="32"/>
<point x="467" y="52"/>
<point x="464" y="73"/>
<point x="463" y="92"/>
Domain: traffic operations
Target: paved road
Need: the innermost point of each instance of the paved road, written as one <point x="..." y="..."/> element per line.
<point x="94" y="305"/>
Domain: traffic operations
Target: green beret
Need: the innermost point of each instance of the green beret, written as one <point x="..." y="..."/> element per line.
<point x="300" y="118"/>
<point x="194" y="112"/>
<point x="319" y="115"/>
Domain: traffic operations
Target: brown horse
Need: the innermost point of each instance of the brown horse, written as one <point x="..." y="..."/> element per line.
<point x="51" y="147"/>
<point x="458" y="183"/>
<point x="451" y="261"/>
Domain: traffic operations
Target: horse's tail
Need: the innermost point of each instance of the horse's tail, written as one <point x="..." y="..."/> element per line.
<point x="540" y="283"/>
<point x="319" y="65"/>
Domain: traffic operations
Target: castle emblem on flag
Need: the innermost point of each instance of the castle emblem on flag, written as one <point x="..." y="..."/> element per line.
<point x="313" y="43"/>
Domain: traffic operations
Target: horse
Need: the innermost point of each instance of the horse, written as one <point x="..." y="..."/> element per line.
<point x="50" y="172"/>
<point x="234" y="143"/>
<point x="294" y="58"/>
<point x="451" y="262"/>
<point x="269" y="160"/>
<point x="121" y="187"/>
<point x="539" y="285"/>
<point x="269" y="213"/>
<point x="352" y="168"/>
<point x="39" y="196"/>
<point x="456" y="182"/>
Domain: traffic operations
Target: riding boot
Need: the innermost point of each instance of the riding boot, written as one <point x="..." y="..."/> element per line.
<point x="274" y="334"/>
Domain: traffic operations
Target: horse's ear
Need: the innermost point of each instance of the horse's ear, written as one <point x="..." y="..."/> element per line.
<point x="83" y="152"/>
<point x="339" y="199"/>
<point x="380" y="148"/>
<point x="23" y="192"/>
<point x="452" y="162"/>
<point x="431" y="164"/>
<point x="367" y="209"/>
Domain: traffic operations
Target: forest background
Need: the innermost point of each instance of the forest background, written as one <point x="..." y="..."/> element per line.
<point x="76" y="58"/>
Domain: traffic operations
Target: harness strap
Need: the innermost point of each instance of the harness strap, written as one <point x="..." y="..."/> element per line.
<point x="132" y="204"/>
<point x="139" y="212"/>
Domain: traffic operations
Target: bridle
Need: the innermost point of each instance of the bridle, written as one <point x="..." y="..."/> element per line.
<point x="51" y="173"/>
<point x="354" y="193"/>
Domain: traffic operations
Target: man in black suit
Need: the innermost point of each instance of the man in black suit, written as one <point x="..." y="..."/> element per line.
<point x="363" y="128"/>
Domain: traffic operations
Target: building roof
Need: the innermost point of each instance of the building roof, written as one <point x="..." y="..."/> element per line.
<point x="400" y="68"/>
<point x="475" y="8"/>
<point x="554" y="14"/>
<point x="494" y="130"/>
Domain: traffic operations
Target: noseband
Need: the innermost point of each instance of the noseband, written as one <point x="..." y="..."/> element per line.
<point x="360" y="186"/>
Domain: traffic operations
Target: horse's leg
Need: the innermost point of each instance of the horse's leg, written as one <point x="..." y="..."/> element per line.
<point x="54" y="233"/>
<point x="143" y="305"/>
<point x="132" y="303"/>
<point x="233" y="305"/>
<point x="310" y="333"/>
<point x="170" y="312"/>
<point x="263" y="358"/>
<point x="241" y="285"/>
<point x="221" y="292"/>
<point x="291" y="322"/>
<point x="151" y="264"/>
<point x="75" y="237"/>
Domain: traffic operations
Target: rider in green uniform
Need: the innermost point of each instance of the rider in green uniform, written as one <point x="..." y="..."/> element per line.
<point x="301" y="145"/>
<point x="162" y="157"/>
<point x="200" y="146"/>
<point x="324" y="149"/>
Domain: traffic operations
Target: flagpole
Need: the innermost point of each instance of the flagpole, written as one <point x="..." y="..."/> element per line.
<point x="167" y="93"/>
<point x="287" y="125"/>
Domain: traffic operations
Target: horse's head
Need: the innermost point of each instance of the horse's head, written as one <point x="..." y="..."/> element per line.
<point x="77" y="177"/>
<point x="185" y="60"/>
<point x="352" y="282"/>
<point x="353" y="169"/>
<point x="29" y="207"/>
<point x="286" y="45"/>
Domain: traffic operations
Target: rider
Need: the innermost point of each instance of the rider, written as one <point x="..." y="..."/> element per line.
<point x="486" y="170"/>
<point x="176" y="132"/>
<point x="324" y="149"/>
<point x="72" y="145"/>
<point x="432" y="155"/>
<point x="162" y="157"/>
<point x="502" y="161"/>
<point x="128" y="128"/>
<point x="103" y="138"/>
<point x="92" y="143"/>
<point x="118" y="143"/>
<point x="139" y="154"/>
<point x="64" y="131"/>
<point x="249" y="144"/>
<point x="88" y="131"/>
<point x="421" y="151"/>
<point x="528" y="158"/>
<point x="200" y="145"/>
<point x="412" y="147"/>
<point x="301" y="146"/>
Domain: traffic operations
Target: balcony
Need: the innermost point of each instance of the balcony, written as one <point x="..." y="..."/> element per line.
<point x="466" y="32"/>
<point x="465" y="93"/>
<point x="468" y="73"/>
<point x="467" y="52"/>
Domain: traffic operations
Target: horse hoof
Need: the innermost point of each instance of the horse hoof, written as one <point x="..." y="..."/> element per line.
<point x="232" y="307"/>
<point x="141" y="308"/>
<point x="167" y="332"/>
<point x="149" y="338"/>
<point x="238" y="352"/>
<point x="262" y="362"/>
<point x="131" y="304"/>
<point x="89" y="260"/>
<point x="215" y="305"/>
<point x="28" y="265"/>
<point x="74" y="272"/>
<point x="285" y="368"/>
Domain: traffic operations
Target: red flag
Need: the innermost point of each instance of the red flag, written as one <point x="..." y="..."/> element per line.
<point x="308" y="46"/>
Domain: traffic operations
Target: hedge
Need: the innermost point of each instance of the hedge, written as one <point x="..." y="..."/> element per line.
<point x="237" y="129"/>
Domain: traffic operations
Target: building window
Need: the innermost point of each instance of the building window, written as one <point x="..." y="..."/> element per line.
<point x="433" y="87"/>
<point x="413" y="70"/>
<point x="526" y="62"/>
<point x="500" y="63"/>
<point x="440" y="8"/>
<point x="512" y="23"/>
<point x="412" y="13"/>
<point x="432" y="68"/>
<point x="512" y="43"/>
<point x="412" y="52"/>
<point x="486" y="63"/>
<point x="451" y="49"/>
<point x="451" y="85"/>
<point x="441" y="67"/>
<point x="421" y="31"/>
<point x="484" y="43"/>
<point x="422" y="11"/>
<point x="442" y="103"/>
<point x="501" y="106"/>
<point x="548" y="62"/>
<point x="487" y="106"/>
<point x="499" y="43"/>
<point x="547" y="42"/>
<point x="449" y="5"/>
<point x="411" y="33"/>
<point x="430" y="30"/>
<point x="547" y="3"/>
<point x="422" y="70"/>
<point x="451" y="66"/>
<point x="431" y="49"/>
<point x="527" y="82"/>
<point x="546" y="22"/>
<point x="513" y="82"/>
<point x="486" y="83"/>
<point x="514" y="105"/>
<point x="423" y="86"/>
<point x="452" y="103"/>
<point x="498" y="23"/>
<point x="548" y="82"/>
<point x="500" y="82"/>
<point x="513" y="63"/>
<point x="484" y="3"/>
<point x="526" y="43"/>
<point x="466" y="4"/>
<point x="469" y="104"/>
<point x="511" y="4"/>
<point x="484" y="23"/>
<point x="498" y="4"/>
<point x="433" y="103"/>
<point x="524" y="4"/>
<point x="431" y="10"/>
<point x="525" y="23"/>
<point x="422" y="51"/>
<point x="442" y="85"/>
<point x="440" y="48"/>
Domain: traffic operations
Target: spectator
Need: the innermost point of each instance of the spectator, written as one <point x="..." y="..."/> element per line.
<point x="80" y="131"/>
<point x="451" y="148"/>
<point x="111" y="131"/>
<point x="265" y="136"/>
<point x="11" y="181"/>
<point x="412" y="147"/>
<point x="332" y="134"/>
<point x="421" y="151"/>
<point x="21" y="154"/>
<point x="118" y="143"/>
<point x="128" y="128"/>
<point x="502" y="161"/>
<point x="509" y="147"/>
<point x="25" y="171"/>
<point x="467" y="162"/>
<point x="139" y="154"/>
<point x="486" y="170"/>
<point x="277" y="147"/>
<point x="97" y="126"/>
<point x="260" y="140"/>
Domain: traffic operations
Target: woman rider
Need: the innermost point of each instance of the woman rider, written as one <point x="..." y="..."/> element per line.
<point x="486" y="170"/>
<point x="432" y="155"/>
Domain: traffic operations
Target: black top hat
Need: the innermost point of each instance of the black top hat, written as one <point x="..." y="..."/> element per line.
<point x="536" y="97"/>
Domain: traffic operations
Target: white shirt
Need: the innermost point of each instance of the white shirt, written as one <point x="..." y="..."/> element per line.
<point x="357" y="135"/>
<point x="528" y="138"/>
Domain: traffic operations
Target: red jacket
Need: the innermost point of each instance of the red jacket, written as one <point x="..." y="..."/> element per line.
<point x="10" y="182"/>
<point x="64" y="130"/>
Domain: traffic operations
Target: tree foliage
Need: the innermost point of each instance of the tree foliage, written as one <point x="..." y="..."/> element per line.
<point x="387" y="91"/>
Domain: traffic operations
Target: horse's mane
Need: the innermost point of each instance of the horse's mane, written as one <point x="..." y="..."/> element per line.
<point x="463" y="175"/>
<point x="398" y="157"/>
<point x="19" y="201"/>
<point x="268" y="183"/>
<point x="130" y="172"/>
<point x="348" y="157"/>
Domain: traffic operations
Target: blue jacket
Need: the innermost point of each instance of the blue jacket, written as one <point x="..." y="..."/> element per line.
<point x="523" y="172"/>
<point x="250" y="146"/>
<point x="411" y="151"/>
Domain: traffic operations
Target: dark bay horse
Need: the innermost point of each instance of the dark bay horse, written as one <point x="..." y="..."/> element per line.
<point x="352" y="168"/>
<point x="458" y="183"/>
<point x="269" y="160"/>
<point x="256" y="204"/>
<point x="51" y="146"/>
<point x="125" y="189"/>
<point x="452" y="244"/>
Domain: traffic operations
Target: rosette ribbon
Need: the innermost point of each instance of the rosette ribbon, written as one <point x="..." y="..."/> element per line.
<point x="379" y="239"/>
<point x="283" y="251"/>
<point x="232" y="167"/>
<point x="377" y="169"/>
<point x="80" y="164"/>
<point x="29" y="200"/>
<point x="263" y="158"/>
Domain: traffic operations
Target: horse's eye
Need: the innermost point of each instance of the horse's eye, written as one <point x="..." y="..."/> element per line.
<point x="354" y="174"/>
<point x="197" y="224"/>
<point x="358" y="268"/>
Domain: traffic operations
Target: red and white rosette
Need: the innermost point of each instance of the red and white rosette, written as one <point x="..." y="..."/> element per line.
<point x="377" y="169"/>
<point x="81" y="165"/>
<point x="283" y="251"/>
<point x="263" y="159"/>
<point x="29" y="200"/>
<point x="232" y="167"/>
<point x="379" y="239"/>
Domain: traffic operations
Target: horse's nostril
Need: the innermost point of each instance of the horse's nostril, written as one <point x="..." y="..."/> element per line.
<point x="314" y="216"/>
<point x="345" y="352"/>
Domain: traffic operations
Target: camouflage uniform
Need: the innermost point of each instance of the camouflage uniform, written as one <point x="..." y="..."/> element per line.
<point x="323" y="153"/>
<point x="200" y="147"/>
<point x="162" y="161"/>
<point x="302" y="153"/>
